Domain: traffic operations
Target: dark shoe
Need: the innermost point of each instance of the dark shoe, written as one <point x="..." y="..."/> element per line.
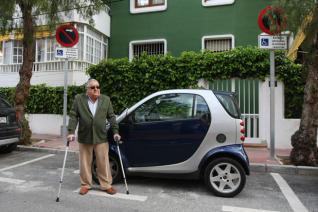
<point x="111" y="191"/>
<point x="83" y="190"/>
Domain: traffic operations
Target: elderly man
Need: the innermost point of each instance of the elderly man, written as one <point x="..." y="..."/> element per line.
<point x="90" y="111"/>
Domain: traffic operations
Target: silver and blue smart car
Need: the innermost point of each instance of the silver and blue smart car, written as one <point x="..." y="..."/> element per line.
<point x="184" y="133"/>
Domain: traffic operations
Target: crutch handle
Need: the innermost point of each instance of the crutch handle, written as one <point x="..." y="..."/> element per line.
<point x="119" y="142"/>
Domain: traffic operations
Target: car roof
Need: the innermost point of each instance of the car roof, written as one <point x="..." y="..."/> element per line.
<point x="196" y="91"/>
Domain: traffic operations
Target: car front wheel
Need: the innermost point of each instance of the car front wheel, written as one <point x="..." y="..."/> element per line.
<point x="225" y="177"/>
<point x="114" y="167"/>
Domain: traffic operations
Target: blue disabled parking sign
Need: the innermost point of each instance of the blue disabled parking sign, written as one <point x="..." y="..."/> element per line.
<point x="272" y="42"/>
<point x="264" y="42"/>
<point x="60" y="53"/>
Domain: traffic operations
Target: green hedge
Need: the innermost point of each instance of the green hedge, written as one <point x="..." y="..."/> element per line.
<point x="127" y="82"/>
<point x="44" y="99"/>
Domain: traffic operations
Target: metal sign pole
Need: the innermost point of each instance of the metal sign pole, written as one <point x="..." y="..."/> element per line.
<point x="65" y="99"/>
<point x="272" y="102"/>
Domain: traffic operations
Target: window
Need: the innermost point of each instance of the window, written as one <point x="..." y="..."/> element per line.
<point x="151" y="47"/>
<point x="17" y="51"/>
<point x="143" y="6"/>
<point x="7" y="56"/>
<point x="98" y="51"/>
<point x="148" y="3"/>
<point x="51" y="45"/>
<point x="170" y="107"/>
<point x="229" y="103"/>
<point x="40" y="50"/>
<point x="90" y="49"/>
<point x="218" y="43"/>
<point x="208" y="3"/>
<point x="1" y="52"/>
<point x="95" y="46"/>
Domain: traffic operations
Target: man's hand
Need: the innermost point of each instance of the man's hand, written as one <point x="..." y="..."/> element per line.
<point x="117" y="137"/>
<point x="71" y="137"/>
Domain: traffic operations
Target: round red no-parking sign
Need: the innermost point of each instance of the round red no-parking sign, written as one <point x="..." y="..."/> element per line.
<point x="271" y="20"/>
<point x="67" y="35"/>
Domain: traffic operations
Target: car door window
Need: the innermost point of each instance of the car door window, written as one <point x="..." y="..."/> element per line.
<point x="165" y="107"/>
<point x="172" y="107"/>
<point x="201" y="109"/>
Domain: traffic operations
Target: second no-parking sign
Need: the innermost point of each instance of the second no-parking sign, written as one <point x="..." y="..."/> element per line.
<point x="67" y="35"/>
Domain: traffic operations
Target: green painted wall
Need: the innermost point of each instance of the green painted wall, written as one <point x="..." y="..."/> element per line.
<point x="183" y="24"/>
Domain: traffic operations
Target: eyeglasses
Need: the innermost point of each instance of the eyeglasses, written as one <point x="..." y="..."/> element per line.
<point x="93" y="87"/>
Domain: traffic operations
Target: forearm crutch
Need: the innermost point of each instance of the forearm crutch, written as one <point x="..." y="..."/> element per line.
<point x="122" y="167"/>
<point x="62" y="173"/>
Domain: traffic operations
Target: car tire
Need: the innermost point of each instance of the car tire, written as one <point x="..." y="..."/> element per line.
<point x="115" y="169"/>
<point x="8" y="148"/>
<point x="225" y="177"/>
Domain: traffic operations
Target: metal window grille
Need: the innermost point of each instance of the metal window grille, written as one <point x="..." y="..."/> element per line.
<point x="218" y="44"/>
<point x="150" y="48"/>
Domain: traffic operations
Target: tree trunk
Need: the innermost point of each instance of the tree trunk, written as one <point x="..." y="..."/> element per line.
<point x="25" y="72"/>
<point x="304" y="140"/>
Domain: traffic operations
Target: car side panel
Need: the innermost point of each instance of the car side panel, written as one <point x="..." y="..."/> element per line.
<point x="10" y="131"/>
<point x="162" y="143"/>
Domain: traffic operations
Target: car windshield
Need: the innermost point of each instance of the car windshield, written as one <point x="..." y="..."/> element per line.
<point x="229" y="103"/>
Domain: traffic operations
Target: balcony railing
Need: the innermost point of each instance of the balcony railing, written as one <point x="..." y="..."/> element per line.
<point x="52" y="66"/>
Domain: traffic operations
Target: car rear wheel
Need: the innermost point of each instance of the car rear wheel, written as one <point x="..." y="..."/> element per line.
<point x="225" y="177"/>
<point x="8" y="148"/>
<point x="114" y="167"/>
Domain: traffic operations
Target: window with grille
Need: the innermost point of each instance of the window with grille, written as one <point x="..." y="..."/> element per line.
<point x="218" y="43"/>
<point x="208" y="3"/>
<point x="143" y="6"/>
<point x="150" y="47"/>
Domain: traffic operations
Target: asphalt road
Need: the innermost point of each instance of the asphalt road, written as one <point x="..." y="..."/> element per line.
<point x="29" y="181"/>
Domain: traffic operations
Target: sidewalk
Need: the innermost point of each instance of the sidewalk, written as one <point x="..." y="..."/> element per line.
<point x="255" y="154"/>
<point x="259" y="156"/>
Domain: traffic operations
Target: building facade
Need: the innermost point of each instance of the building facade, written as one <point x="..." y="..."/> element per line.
<point x="174" y="26"/>
<point x="92" y="48"/>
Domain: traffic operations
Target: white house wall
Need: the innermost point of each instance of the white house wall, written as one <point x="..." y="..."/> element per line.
<point x="284" y="128"/>
<point x="101" y="22"/>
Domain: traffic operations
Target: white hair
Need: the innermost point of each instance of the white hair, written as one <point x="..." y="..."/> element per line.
<point x="89" y="81"/>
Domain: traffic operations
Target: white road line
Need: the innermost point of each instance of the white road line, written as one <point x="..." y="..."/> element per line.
<point x="27" y="162"/>
<point x="239" y="209"/>
<point x="76" y="171"/>
<point x="10" y="180"/>
<point x="117" y="195"/>
<point x="289" y="194"/>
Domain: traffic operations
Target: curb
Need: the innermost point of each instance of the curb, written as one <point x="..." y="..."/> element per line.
<point x="254" y="167"/>
<point x="284" y="169"/>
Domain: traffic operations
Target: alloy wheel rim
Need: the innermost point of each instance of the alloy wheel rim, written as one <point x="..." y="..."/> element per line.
<point x="225" y="177"/>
